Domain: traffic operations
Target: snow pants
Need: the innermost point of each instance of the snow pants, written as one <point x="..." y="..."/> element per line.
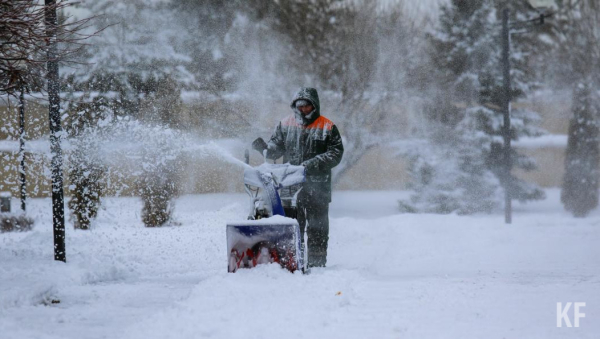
<point x="314" y="219"/>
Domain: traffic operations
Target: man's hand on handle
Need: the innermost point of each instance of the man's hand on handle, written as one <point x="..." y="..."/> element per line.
<point x="260" y="145"/>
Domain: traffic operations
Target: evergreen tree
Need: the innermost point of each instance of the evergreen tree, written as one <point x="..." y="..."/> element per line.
<point x="580" y="185"/>
<point x="450" y="177"/>
<point x="463" y="48"/>
<point x="578" y="30"/>
<point x="465" y="51"/>
<point x="211" y="47"/>
<point x="572" y="43"/>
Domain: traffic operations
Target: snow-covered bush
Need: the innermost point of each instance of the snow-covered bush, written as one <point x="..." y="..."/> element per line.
<point x="87" y="181"/>
<point x="13" y="222"/>
<point x="87" y="171"/>
<point x="157" y="187"/>
<point x="158" y="181"/>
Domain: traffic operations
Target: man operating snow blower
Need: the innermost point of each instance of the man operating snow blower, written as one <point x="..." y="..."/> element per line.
<point x="309" y="139"/>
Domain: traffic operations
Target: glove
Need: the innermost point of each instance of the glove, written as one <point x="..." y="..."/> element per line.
<point x="309" y="164"/>
<point x="260" y="145"/>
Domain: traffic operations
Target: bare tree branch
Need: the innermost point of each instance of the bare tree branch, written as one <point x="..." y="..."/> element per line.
<point x="24" y="40"/>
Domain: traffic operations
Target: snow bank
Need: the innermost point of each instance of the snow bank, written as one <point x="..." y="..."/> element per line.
<point x="388" y="275"/>
<point x="544" y="141"/>
<point x="415" y="276"/>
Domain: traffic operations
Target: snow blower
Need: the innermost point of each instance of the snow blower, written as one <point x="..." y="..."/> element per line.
<point x="270" y="234"/>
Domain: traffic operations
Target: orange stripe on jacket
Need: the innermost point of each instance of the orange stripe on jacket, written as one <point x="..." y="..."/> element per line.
<point x="320" y="123"/>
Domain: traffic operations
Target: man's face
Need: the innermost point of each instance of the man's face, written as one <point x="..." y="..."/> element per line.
<point x="305" y="109"/>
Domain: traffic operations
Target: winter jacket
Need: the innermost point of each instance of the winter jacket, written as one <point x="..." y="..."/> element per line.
<point x="312" y="141"/>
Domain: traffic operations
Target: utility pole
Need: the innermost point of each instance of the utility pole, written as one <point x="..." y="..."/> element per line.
<point x="506" y="111"/>
<point x="58" y="206"/>
<point x="506" y="99"/>
<point x="22" y="168"/>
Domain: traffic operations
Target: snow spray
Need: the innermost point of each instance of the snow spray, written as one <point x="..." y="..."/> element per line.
<point x="130" y="150"/>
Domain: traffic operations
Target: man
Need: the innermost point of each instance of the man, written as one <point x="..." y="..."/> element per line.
<point x="309" y="139"/>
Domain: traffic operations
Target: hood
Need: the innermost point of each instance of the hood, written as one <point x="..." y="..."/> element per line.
<point x="310" y="94"/>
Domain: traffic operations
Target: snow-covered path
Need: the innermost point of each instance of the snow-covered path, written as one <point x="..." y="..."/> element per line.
<point x="389" y="276"/>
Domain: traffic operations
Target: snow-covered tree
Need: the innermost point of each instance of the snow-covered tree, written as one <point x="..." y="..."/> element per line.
<point x="463" y="47"/>
<point x="465" y="54"/>
<point x="448" y="174"/>
<point x="140" y="47"/>
<point x="581" y="181"/>
<point x="572" y="51"/>
<point x="578" y="31"/>
<point x="212" y="50"/>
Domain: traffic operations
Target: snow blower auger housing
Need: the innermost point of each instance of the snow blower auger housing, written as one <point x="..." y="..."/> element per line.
<point x="268" y="236"/>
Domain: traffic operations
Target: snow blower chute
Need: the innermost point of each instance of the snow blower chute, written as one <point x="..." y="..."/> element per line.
<point x="268" y="236"/>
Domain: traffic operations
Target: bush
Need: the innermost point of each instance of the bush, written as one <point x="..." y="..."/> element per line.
<point x="87" y="170"/>
<point x="157" y="190"/>
<point x="86" y="190"/>
<point x="10" y="222"/>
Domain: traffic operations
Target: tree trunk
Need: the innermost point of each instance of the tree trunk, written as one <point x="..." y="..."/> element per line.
<point x="22" y="168"/>
<point x="58" y="208"/>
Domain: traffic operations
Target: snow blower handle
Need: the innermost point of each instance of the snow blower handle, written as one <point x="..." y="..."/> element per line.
<point x="260" y="145"/>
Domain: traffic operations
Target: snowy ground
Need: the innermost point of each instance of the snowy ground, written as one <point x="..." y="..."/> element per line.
<point x="389" y="276"/>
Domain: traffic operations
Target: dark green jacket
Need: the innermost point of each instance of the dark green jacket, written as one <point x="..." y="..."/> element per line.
<point x="312" y="141"/>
